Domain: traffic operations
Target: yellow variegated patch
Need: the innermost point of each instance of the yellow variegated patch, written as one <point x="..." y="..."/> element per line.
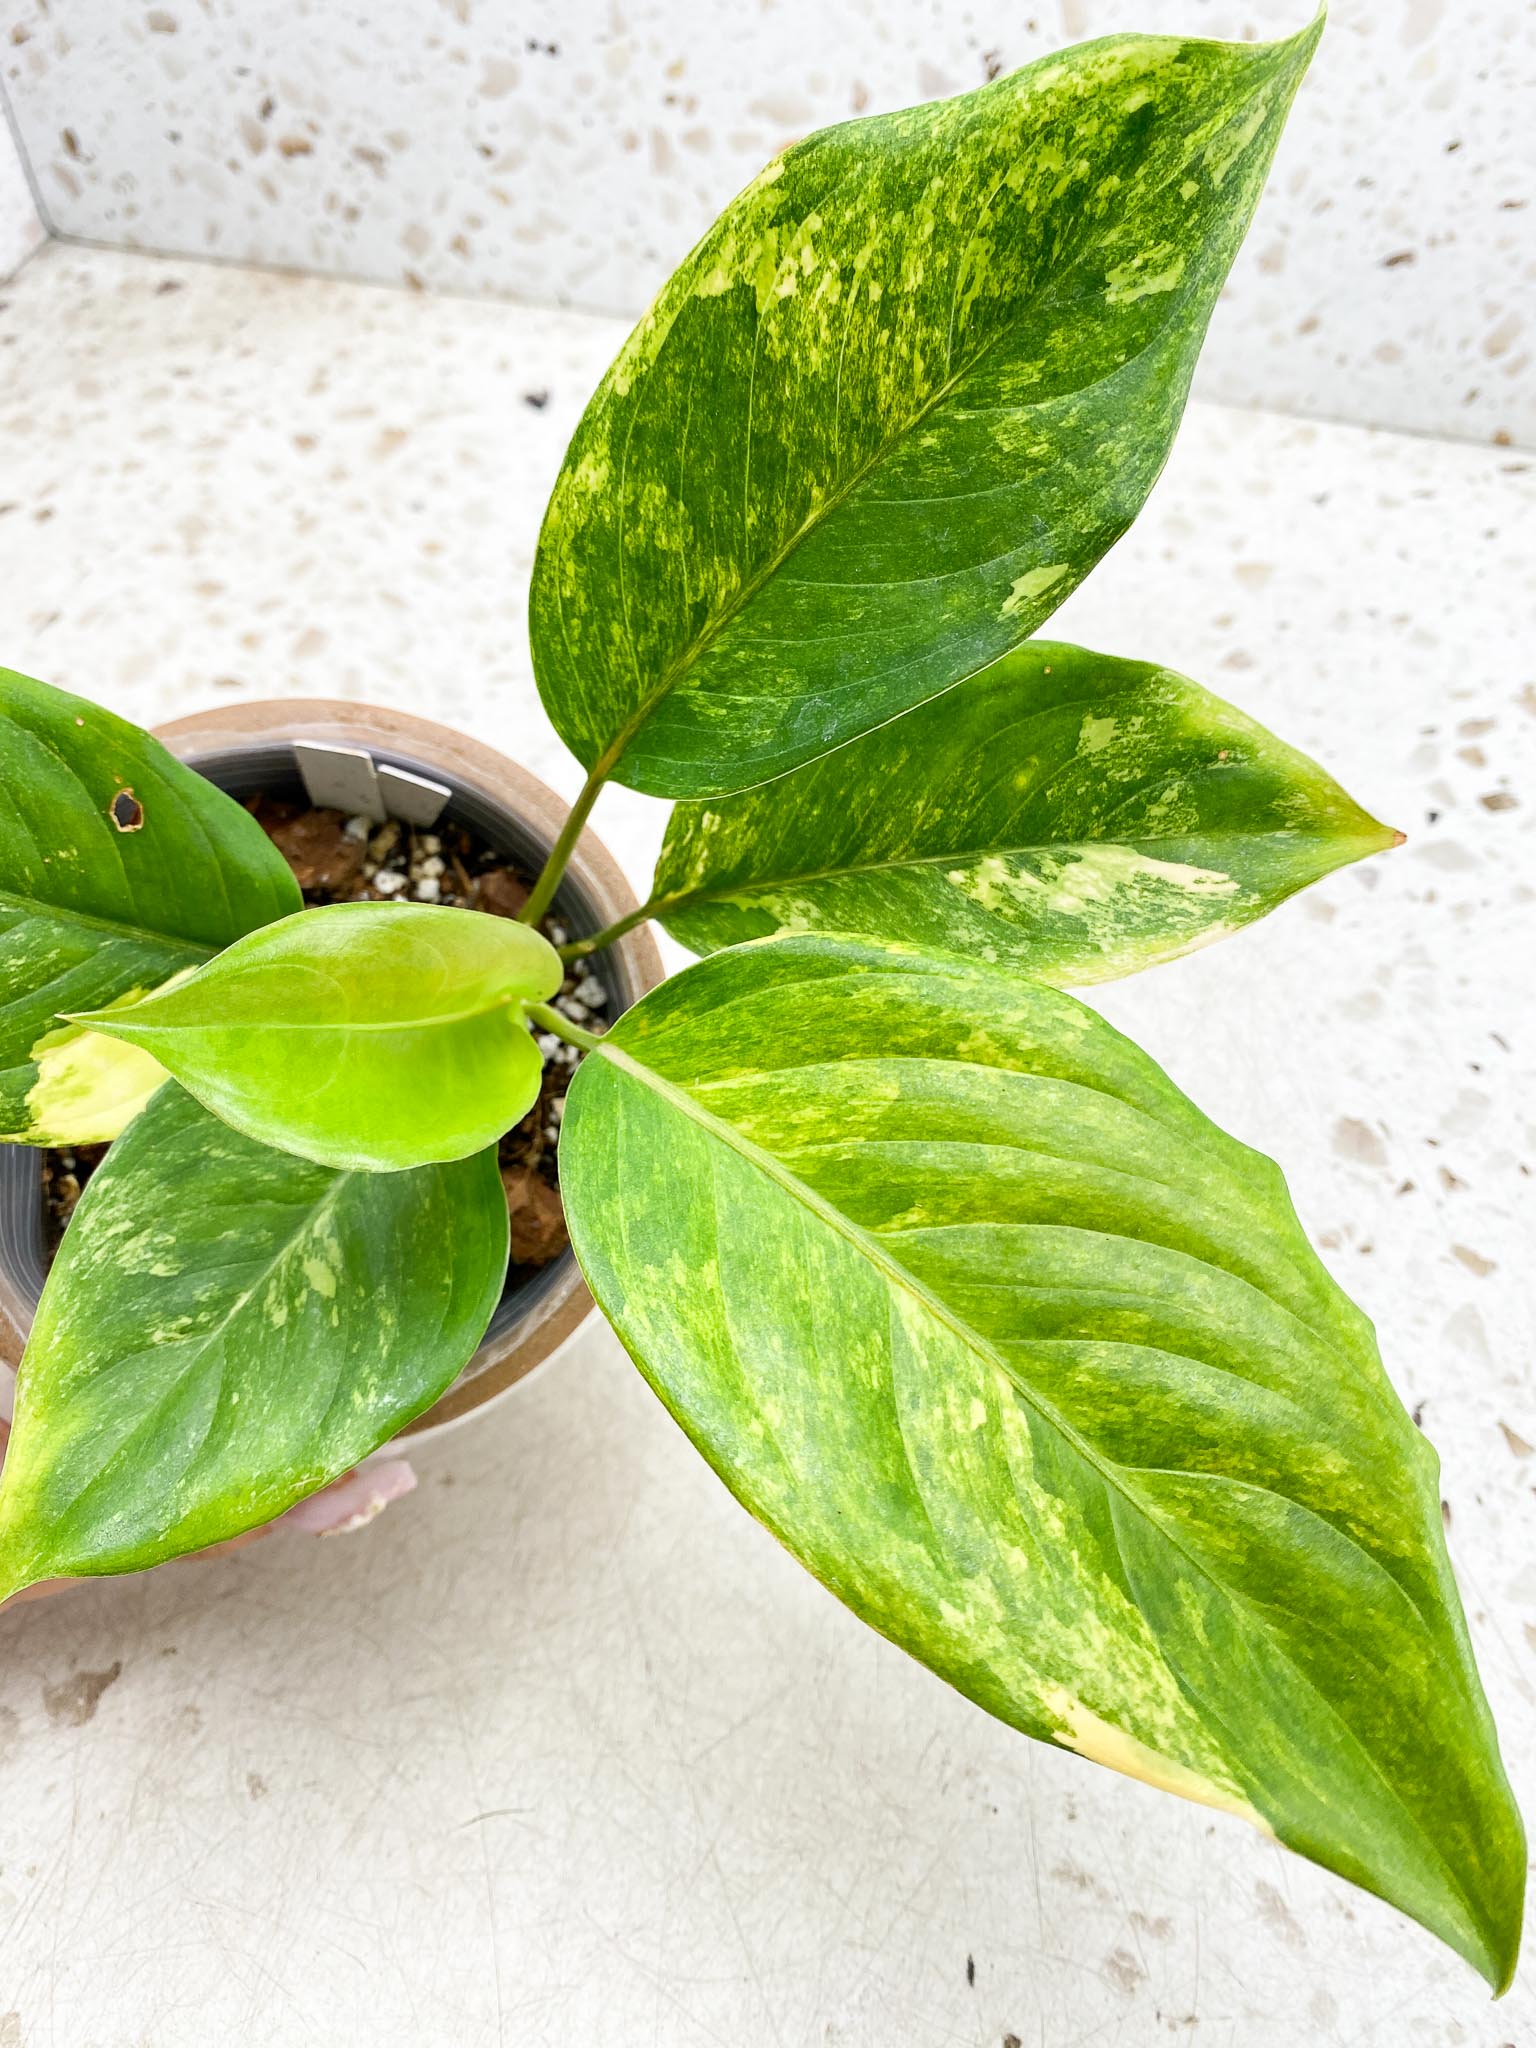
<point x="1102" y="1742"/>
<point x="89" y="1086"/>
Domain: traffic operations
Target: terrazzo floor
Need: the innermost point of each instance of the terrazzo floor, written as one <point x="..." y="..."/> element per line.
<point x="563" y="1748"/>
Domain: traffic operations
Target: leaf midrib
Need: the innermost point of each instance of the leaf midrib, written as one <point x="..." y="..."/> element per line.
<point x="106" y="1021"/>
<point x="825" y="508"/>
<point x="144" y="935"/>
<point x="900" y="1278"/>
<point x="1068" y="259"/>
<point x="722" y="892"/>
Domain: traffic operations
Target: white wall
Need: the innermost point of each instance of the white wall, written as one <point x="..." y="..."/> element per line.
<point x="20" y="228"/>
<point x="573" y="152"/>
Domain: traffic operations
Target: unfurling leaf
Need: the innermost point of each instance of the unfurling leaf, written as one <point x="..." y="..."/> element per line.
<point x="227" y="1329"/>
<point x="1036" y="1369"/>
<point x="365" y="1035"/>
<point x="119" y="869"/>
<point x="1065" y="813"/>
<point x="896" y="404"/>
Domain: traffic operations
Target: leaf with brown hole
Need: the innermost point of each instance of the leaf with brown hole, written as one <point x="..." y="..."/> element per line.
<point x="119" y="869"/>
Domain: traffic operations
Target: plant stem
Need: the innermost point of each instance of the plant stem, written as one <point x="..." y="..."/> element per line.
<point x="559" y="854"/>
<point x="578" y="949"/>
<point x="550" y="1019"/>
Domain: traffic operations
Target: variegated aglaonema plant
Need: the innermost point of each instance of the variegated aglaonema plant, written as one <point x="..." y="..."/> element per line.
<point x="1022" y="1357"/>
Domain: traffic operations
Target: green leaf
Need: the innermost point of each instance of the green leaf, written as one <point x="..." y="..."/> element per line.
<point x="96" y="910"/>
<point x="1065" y="813"/>
<point x="1035" y="1369"/>
<point x="227" y="1329"/>
<point x="371" y="1035"/>
<point x="893" y="408"/>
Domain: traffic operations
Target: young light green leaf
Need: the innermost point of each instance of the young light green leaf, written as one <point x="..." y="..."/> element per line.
<point x="1065" y="813"/>
<point x="225" y="1330"/>
<point x="361" y="1035"/>
<point x="893" y="408"/>
<point x="119" y="868"/>
<point x="1035" y="1369"/>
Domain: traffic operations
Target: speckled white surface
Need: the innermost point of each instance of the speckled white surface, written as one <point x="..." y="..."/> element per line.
<point x="564" y="1749"/>
<point x="573" y="153"/>
<point x="20" y="229"/>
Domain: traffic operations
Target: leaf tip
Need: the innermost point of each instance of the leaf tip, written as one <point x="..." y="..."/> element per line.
<point x="87" y="1020"/>
<point x="1489" y="1934"/>
<point x="1375" y="837"/>
<point x="1381" y="838"/>
<point x="1498" y="1957"/>
<point x="1298" y="48"/>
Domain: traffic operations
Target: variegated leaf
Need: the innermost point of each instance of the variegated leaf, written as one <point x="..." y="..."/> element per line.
<point x="1035" y="1368"/>
<point x="120" y="870"/>
<point x="1066" y="813"/>
<point x="227" y="1329"/>
<point x="893" y="408"/>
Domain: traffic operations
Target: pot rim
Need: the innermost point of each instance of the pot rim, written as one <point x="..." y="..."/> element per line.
<point x="477" y="770"/>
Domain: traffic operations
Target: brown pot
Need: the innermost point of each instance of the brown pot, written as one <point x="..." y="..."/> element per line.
<point x="243" y="746"/>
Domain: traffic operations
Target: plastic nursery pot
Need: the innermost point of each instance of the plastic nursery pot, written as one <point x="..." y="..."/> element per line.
<point x="248" y="747"/>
